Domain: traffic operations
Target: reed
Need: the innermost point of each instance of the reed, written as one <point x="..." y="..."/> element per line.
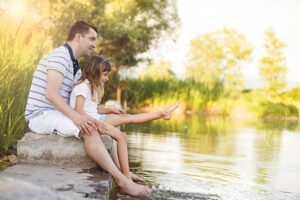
<point x="20" y="51"/>
<point x="154" y="94"/>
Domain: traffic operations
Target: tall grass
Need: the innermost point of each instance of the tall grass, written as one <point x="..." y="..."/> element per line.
<point x="151" y="93"/>
<point x="21" y="49"/>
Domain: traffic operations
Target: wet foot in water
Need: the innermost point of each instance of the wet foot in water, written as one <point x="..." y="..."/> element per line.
<point x="133" y="189"/>
<point x="136" y="178"/>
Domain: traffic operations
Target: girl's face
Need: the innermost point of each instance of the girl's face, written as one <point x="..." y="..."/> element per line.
<point x="104" y="77"/>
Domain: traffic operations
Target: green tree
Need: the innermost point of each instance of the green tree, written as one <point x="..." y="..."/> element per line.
<point x="273" y="66"/>
<point x="132" y="27"/>
<point x="158" y="71"/>
<point x="218" y="56"/>
<point x="127" y="28"/>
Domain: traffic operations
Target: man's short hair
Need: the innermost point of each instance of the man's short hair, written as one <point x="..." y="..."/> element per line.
<point x="80" y="27"/>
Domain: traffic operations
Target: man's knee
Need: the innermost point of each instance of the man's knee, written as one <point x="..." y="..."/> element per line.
<point x="91" y="135"/>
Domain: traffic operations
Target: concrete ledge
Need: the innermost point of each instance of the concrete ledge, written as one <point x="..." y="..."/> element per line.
<point x="23" y="181"/>
<point x="53" y="167"/>
<point x="11" y="189"/>
<point x="56" y="150"/>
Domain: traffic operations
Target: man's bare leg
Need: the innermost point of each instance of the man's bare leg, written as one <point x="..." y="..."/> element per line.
<point x="97" y="151"/>
<point x="117" y="163"/>
<point x="117" y="120"/>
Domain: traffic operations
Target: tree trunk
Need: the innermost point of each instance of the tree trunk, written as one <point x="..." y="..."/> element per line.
<point x="125" y="100"/>
<point x="119" y="92"/>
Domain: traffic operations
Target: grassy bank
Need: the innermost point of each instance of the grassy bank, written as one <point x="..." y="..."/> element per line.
<point x="195" y="97"/>
<point x="19" y="53"/>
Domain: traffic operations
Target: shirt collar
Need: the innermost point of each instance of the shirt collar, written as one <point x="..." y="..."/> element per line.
<point x="70" y="51"/>
<point x="76" y="66"/>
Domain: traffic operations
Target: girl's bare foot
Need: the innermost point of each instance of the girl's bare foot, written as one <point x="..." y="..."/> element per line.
<point x="133" y="189"/>
<point x="136" y="178"/>
<point x="128" y="176"/>
<point x="167" y="113"/>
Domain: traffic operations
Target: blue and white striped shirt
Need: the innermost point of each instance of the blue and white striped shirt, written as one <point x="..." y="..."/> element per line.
<point x="60" y="60"/>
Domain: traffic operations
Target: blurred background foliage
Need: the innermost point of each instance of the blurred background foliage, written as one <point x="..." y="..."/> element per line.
<point x="127" y="29"/>
<point x="219" y="56"/>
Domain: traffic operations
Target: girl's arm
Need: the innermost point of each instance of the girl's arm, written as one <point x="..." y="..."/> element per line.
<point x="104" y="110"/>
<point x="110" y="110"/>
<point x="79" y="104"/>
<point x="79" y="108"/>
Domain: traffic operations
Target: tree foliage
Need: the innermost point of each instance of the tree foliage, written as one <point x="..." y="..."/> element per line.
<point x="273" y="66"/>
<point x="294" y="94"/>
<point x="158" y="71"/>
<point x="218" y="56"/>
<point x="126" y="27"/>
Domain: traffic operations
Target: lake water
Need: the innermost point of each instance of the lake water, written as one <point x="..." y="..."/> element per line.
<point x="216" y="158"/>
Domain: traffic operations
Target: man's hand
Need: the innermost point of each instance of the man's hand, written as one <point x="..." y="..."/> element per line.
<point x="117" y="111"/>
<point x="85" y="124"/>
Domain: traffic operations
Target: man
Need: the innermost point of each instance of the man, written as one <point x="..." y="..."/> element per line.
<point x="48" y="109"/>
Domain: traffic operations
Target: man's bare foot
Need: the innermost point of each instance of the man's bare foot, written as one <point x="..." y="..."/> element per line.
<point x="133" y="189"/>
<point x="136" y="178"/>
<point x="167" y="113"/>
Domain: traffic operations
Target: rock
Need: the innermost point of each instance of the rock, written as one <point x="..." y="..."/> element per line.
<point x="11" y="189"/>
<point x="112" y="104"/>
<point x="12" y="159"/>
<point x="53" y="149"/>
<point x="63" y="183"/>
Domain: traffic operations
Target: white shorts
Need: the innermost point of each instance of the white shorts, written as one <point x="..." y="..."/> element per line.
<point x="53" y="122"/>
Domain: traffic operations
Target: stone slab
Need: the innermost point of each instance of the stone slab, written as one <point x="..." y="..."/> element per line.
<point x="37" y="182"/>
<point x="11" y="189"/>
<point x="56" y="150"/>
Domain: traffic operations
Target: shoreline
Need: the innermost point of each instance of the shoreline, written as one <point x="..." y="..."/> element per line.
<point x="182" y="111"/>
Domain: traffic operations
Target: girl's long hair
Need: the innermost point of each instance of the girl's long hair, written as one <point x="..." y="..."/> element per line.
<point x="92" y="71"/>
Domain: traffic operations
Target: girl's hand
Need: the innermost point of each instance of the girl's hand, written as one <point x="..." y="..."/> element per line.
<point x="117" y="111"/>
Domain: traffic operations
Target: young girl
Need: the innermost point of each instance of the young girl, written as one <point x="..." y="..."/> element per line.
<point x="86" y="96"/>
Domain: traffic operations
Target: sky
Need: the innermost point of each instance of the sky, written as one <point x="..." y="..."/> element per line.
<point x="249" y="17"/>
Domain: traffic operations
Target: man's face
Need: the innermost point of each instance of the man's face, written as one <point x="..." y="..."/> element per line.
<point x="88" y="42"/>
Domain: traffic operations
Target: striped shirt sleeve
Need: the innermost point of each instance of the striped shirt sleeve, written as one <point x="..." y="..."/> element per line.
<point x="59" y="63"/>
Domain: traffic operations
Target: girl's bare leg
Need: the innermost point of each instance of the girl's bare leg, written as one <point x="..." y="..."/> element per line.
<point x="117" y="163"/>
<point x="117" y="120"/>
<point x="122" y="151"/>
<point x="97" y="151"/>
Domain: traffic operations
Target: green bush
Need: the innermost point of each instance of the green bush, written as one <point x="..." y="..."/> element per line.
<point x="293" y="94"/>
<point x="269" y="109"/>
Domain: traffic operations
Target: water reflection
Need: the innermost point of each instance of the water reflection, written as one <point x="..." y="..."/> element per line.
<point x="159" y="194"/>
<point x="230" y="158"/>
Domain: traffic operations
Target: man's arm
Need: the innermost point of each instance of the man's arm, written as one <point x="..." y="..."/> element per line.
<point x="54" y="82"/>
